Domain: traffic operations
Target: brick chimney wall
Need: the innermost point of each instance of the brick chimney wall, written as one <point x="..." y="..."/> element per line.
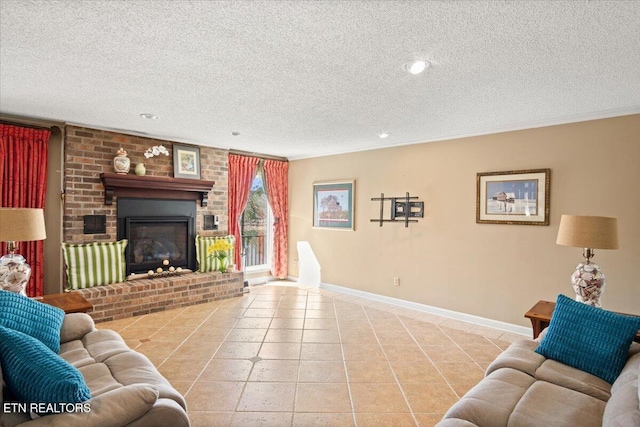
<point x="90" y="152"/>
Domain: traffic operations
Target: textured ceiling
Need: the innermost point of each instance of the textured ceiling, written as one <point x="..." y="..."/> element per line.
<point x="302" y="79"/>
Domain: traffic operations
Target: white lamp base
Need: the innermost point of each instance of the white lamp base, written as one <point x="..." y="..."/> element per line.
<point x="14" y="273"/>
<point x="588" y="282"/>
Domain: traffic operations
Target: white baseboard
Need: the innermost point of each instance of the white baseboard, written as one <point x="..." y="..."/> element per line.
<point x="261" y="280"/>
<point x="470" y="318"/>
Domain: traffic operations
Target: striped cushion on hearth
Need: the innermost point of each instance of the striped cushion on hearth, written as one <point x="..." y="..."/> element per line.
<point x="210" y="263"/>
<point x="94" y="264"/>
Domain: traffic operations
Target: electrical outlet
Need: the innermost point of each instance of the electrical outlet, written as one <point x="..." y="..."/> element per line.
<point x="396" y="281"/>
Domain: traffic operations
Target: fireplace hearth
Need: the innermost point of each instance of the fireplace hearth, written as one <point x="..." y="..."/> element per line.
<point x="157" y="230"/>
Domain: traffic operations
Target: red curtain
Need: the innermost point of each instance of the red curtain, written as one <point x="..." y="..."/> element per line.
<point x="277" y="182"/>
<point x="23" y="184"/>
<point x="242" y="170"/>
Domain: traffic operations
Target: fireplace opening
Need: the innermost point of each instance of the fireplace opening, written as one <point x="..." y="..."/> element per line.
<point x="157" y="230"/>
<point x="153" y="240"/>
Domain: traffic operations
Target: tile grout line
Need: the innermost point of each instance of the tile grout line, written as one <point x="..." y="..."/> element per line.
<point x="428" y="358"/>
<point x="295" y="395"/>
<point x="404" y="396"/>
<point x="212" y="356"/>
<point x="344" y="364"/>
<point x="143" y="317"/>
<point x="253" y="364"/>
<point x="464" y="351"/>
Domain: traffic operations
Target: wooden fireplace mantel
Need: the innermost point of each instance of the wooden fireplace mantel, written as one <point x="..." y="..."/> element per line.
<point x="155" y="187"/>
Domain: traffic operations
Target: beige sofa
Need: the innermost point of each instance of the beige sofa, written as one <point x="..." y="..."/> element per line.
<point x="126" y="389"/>
<point x="522" y="388"/>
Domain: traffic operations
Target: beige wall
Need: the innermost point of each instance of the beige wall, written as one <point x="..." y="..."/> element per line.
<point x="446" y="259"/>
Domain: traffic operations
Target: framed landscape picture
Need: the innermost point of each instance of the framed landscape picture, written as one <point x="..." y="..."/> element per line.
<point x="514" y="197"/>
<point x="186" y="161"/>
<point x="333" y="205"/>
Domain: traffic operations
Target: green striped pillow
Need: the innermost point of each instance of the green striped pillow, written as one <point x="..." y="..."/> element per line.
<point x="210" y="263"/>
<point x="94" y="264"/>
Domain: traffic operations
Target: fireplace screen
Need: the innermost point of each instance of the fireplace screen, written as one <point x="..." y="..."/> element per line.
<point x="153" y="240"/>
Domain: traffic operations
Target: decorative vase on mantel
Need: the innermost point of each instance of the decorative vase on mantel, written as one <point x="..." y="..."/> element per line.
<point x="140" y="170"/>
<point x="121" y="163"/>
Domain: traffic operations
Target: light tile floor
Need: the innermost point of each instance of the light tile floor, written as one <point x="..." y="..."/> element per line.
<point x="284" y="355"/>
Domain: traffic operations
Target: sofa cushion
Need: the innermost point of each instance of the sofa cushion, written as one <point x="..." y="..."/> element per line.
<point x="94" y="264"/>
<point x="546" y="404"/>
<point x="50" y="380"/>
<point x="491" y="402"/>
<point x="521" y="356"/>
<point x="41" y="321"/>
<point x="99" y="378"/>
<point x="102" y="344"/>
<point x="211" y="263"/>
<point x="588" y="338"/>
<point x="569" y="377"/>
<point x="135" y="368"/>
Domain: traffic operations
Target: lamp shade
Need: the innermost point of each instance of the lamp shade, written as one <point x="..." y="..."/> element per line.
<point x="21" y="224"/>
<point x="594" y="232"/>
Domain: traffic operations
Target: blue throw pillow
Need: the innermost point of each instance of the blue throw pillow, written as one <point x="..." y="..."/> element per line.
<point x="35" y="374"/>
<point x="41" y="321"/>
<point x="588" y="338"/>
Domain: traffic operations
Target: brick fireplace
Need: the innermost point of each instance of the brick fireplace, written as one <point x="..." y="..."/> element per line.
<point x="89" y="154"/>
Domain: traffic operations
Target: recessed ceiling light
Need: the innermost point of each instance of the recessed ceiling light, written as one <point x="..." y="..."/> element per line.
<point x="416" y="67"/>
<point x="383" y="135"/>
<point x="149" y="116"/>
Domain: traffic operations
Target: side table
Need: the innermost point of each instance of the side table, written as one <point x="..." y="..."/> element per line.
<point x="70" y="302"/>
<point x="540" y="316"/>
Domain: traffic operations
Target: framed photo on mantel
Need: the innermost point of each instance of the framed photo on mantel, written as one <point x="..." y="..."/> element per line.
<point x="186" y="161"/>
<point x="514" y="197"/>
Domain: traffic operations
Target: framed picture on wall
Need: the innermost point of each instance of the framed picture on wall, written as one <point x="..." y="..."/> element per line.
<point x="514" y="197"/>
<point x="333" y="205"/>
<point x="186" y="161"/>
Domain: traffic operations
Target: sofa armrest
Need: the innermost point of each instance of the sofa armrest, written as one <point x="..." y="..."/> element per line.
<point x="115" y="408"/>
<point x="166" y="412"/>
<point x="75" y="326"/>
<point x="520" y="356"/>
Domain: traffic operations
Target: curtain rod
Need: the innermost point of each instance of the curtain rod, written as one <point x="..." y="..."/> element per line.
<point x="29" y="122"/>
<point x="261" y="156"/>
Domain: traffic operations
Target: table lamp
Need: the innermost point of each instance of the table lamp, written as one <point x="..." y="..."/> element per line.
<point x="18" y="225"/>
<point x="588" y="233"/>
